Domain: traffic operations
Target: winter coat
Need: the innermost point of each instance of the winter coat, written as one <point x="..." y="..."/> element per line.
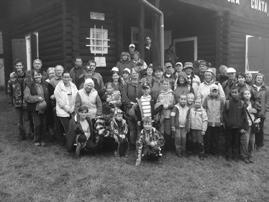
<point x="197" y="119"/>
<point x="130" y="92"/>
<point x="214" y="107"/>
<point x="75" y="129"/>
<point x="122" y="64"/>
<point x="227" y="86"/>
<point x="234" y="114"/>
<point x="64" y="105"/>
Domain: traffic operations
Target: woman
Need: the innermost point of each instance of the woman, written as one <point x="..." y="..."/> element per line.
<point x="36" y="96"/>
<point x="209" y="80"/>
<point x="117" y="81"/>
<point x="89" y="97"/>
<point x="81" y="132"/>
<point x="193" y="79"/>
<point x="139" y="64"/>
<point x="65" y="95"/>
<point x="125" y="62"/>
<point x="261" y="96"/>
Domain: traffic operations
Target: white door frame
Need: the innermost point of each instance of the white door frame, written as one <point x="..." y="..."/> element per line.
<point x="246" y="56"/>
<point x="195" y="44"/>
<point x="28" y="51"/>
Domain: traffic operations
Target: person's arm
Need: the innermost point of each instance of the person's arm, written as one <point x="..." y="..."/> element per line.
<point x="221" y="92"/>
<point x="78" y="102"/>
<point x="31" y="98"/>
<point x="139" y="145"/>
<point x="204" y="117"/>
<point x="98" y="105"/>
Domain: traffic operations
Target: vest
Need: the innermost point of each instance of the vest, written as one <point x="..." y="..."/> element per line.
<point x="89" y="101"/>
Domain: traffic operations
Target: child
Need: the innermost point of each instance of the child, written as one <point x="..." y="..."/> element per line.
<point x="248" y="138"/>
<point x="119" y="130"/>
<point x="178" y="123"/>
<point x="166" y="101"/>
<point x="181" y="85"/>
<point x="149" y="143"/>
<point x="111" y="98"/>
<point x="197" y="125"/>
<point x="190" y="99"/>
<point x="235" y="122"/>
<point x="12" y="80"/>
<point x="145" y="104"/>
<point x="148" y="78"/>
<point x="214" y="105"/>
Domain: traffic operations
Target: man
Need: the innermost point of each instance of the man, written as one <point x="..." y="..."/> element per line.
<point x="148" y="51"/>
<point x="91" y="66"/>
<point x="169" y="73"/>
<point x="222" y="76"/>
<point x="77" y="72"/>
<point x="59" y="70"/>
<point x="230" y="83"/>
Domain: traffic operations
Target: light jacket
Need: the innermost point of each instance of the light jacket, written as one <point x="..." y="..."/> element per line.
<point x="197" y="119"/>
<point x="166" y="97"/>
<point x="63" y="103"/>
<point x="214" y="107"/>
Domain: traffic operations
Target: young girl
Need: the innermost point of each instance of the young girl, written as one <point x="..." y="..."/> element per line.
<point x="166" y="100"/>
<point x="197" y="125"/>
<point x="248" y="138"/>
<point x="182" y="86"/>
<point x="111" y="98"/>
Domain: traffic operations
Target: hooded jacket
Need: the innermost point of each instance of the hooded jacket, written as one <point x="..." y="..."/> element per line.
<point x="204" y="90"/>
<point x="122" y="64"/>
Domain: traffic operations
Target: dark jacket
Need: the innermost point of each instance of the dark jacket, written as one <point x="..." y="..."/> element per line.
<point x="235" y="115"/>
<point x="77" y="75"/>
<point x="31" y="96"/>
<point x="75" y="129"/>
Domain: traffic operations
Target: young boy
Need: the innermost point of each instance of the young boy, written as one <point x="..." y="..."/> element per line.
<point x="197" y="125"/>
<point x="214" y="105"/>
<point x="119" y="130"/>
<point x="178" y="123"/>
<point x="149" y="142"/>
<point x="166" y="101"/>
<point x="190" y="99"/>
<point x="235" y="122"/>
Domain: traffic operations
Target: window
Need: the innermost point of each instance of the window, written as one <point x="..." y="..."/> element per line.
<point x="98" y="41"/>
<point x="256" y="55"/>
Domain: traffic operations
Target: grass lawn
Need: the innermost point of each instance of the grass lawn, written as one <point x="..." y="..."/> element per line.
<point x="29" y="173"/>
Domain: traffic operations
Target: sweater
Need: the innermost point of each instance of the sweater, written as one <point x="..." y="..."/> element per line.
<point x="65" y="99"/>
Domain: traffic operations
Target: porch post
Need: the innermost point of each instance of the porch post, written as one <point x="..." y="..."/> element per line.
<point x="141" y="29"/>
<point x="156" y="36"/>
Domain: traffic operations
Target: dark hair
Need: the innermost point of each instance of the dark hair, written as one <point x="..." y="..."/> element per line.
<point x="241" y="74"/>
<point x="83" y="108"/>
<point x="77" y="57"/>
<point x="91" y="61"/>
<point x="109" y="83"/>
<point x="37" y="59"/>
<point x="18" y="61"/>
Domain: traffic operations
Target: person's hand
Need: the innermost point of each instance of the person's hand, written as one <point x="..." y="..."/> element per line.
<point x="165" y="106"/>
<point x="173" y="128"/>
<point x="40" y="99"/>
<point x="203" y="133"/>
<point x="138" y="162"/>
<point x="52" y="97"/>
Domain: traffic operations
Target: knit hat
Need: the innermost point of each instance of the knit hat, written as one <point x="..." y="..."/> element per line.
<point x="12" y="75"/>
<point x="214" y="87"/>
<point x="118" y="111"/>
<point x="179" y="63"/>
<point x="115" y="69"/>
<point x="145" y="86"/>
<point x="211" y="71"/>
<point x="88" y="81"/>
<point x="132" y="45"/>
<point x="147" y="120"/>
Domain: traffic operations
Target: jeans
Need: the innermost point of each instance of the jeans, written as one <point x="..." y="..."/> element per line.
<point x="180" y="140"/>
<point x="39" y="121"/>
<point x="212" y="140"/>
<point x="232" y="142"/>
<point x="197" y="141"/>
<point x="23" y="121"/>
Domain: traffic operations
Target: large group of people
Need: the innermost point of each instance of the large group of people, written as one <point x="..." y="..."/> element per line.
<point x="184" y="108"/>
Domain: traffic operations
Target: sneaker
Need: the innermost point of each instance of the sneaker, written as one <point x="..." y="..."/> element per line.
<point x="37" y="144"/>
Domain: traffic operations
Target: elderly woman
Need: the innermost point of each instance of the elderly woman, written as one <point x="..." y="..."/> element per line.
<point x="261" y="97"/>
<point x="209" y="80"/>
<point x="65" y="95"/>
<point x="36" y="96"/>
<point x="89" y="97"/>
<point x="81" y="136"/>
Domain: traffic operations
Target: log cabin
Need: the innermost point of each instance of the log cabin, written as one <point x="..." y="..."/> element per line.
<point x="231" y="32"/>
